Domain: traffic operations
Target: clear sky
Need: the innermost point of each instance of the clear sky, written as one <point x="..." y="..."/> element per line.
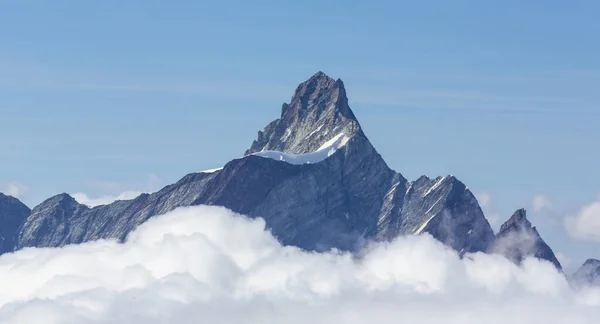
<point x="103" y="97"/>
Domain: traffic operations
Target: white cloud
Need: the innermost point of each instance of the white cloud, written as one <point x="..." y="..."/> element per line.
<point x="206" y="264"/>
<point x="150" y="184"/>
<point x="485" y="199"/>
<point x="565" y="260"/>
<point x="540" y="203"/>
<point x="585" y="225"/>
<point x="485" y="202"/>
<point x="83" y="198"/>
<point x="15" y="189"/>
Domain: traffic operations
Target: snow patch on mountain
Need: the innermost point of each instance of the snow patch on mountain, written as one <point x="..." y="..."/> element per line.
<point x="420" y="230"/>
<point x="326" y="150"/>
<point x="435" y="186"/>
<point x="212" y="170"/>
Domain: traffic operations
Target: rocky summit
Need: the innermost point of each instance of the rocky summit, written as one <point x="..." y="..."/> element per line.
<point x="314" y="177"/>
<point x="317" y="112"/>
<point x="518" y="239"/>
<point x="588" y="274"/>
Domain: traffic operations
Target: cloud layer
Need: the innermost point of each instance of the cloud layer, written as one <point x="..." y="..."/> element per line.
<point x="209" y="265"/>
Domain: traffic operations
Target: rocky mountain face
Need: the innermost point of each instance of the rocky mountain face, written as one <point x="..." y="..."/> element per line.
<point x="318" y="182"/>
<point x="317" y="112"/>
<point x="588" y="274"/>
<point x="12" y="215"/>
<point x="518" y="239"/>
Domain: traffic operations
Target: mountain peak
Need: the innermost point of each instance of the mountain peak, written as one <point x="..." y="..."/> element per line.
<point x="346" y="197"/>
<point x="61" y="201"/>
<point x="317" y="112"/>
<point x="10" y="200"/>
<point x="588" y="274"/>
<point x="7" y="198"/>
<point x="517" y="221"/>
<point x="518" y="239"/>
<point x="320" y="75"/>
<point x="319" y="91"/>
<point x="50" y="218"/>
<point x="63" y="197"/>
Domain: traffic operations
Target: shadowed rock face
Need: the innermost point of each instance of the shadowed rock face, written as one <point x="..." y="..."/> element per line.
<point x="12" y="215"/>
<point x="340" y="202"/>
<point x="588" y="274"/>
<point x="518" y="239"/>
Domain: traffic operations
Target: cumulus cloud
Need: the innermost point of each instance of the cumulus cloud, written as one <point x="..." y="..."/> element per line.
<point x="485" y="201"/>
<point x="15" y="189"/>
<point x="515" y="244"/>
<point x="150" y="184"/>
<point x="207" y="264"/>
<point x="540" y="203"/>
<point x="585" y="225"/>
<point x="84" y="199"/>
<point x="565" y="260"/>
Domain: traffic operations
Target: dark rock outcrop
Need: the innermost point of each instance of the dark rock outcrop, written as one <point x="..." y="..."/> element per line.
<point x="12" y="215"/>
<point x="518" y="239"/>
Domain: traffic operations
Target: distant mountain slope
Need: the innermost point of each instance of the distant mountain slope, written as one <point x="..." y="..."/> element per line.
<point x="518" y="239"/>
<point x="588" y="274"/>
<point x="312" y="174"/>
<point x="12" y="216"/>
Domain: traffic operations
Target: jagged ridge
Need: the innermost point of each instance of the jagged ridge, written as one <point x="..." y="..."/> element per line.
<point x="340" y="202"/>
<point x="518" y="239"/>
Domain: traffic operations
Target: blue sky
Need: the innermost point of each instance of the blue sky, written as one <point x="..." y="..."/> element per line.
<point x="108" y="96"/>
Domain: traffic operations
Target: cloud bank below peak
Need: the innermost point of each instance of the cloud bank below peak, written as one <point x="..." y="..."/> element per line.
<point x="211" y="264"/>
